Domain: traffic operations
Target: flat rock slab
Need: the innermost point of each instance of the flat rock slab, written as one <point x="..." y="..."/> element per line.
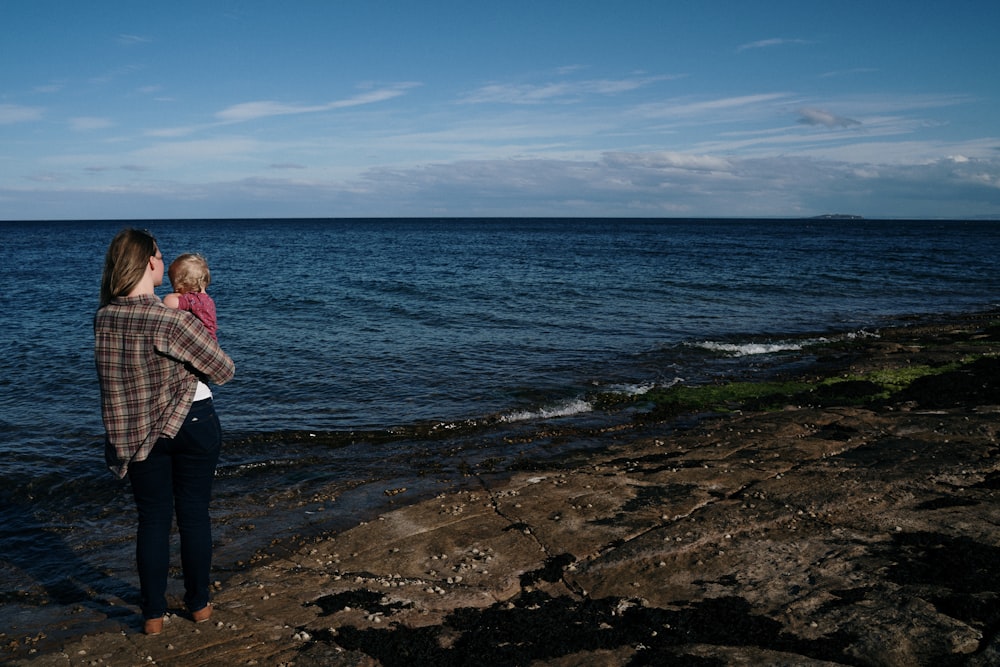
<point x="812" y="535"/>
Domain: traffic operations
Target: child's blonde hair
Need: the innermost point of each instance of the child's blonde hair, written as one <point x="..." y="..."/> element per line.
<point x="189" y="273"/>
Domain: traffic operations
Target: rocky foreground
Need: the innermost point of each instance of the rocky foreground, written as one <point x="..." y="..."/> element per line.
<point x="830" y="531"/>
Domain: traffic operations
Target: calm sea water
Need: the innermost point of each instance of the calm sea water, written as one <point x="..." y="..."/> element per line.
<point x="383" y="354"/>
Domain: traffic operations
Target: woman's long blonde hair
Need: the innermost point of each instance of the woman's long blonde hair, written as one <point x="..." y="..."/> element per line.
<point x="125" y="262"/>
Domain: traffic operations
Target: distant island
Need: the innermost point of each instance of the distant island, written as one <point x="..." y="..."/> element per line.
<point x="837" y="216"/>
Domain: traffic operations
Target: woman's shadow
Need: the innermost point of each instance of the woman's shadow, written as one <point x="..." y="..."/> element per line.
<point x="48" y="589"/>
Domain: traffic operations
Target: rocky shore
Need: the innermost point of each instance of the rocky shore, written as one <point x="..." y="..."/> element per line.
<point x="844" y="524"/>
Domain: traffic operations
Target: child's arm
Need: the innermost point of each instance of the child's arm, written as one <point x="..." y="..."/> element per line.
<point x="172" y="300"/>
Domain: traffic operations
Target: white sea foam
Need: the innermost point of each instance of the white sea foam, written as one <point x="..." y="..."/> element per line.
<point x="576" y="406"/>
<point x="862" y="334"/>
<point x="635" y="389"/>
<point x="579" y="406"/>
<point x="749" y="349"/>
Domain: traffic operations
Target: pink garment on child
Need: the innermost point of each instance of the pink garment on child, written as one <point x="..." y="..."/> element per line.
<point x="201" y="306"/>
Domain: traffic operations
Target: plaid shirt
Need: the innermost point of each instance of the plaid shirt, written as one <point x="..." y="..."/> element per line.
<point x="149" y="360"/>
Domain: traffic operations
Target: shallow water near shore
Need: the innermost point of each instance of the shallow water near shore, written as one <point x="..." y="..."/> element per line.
<point x="378" y="360"/>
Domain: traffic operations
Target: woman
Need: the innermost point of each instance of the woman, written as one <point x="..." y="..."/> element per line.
<point x="153" y="363"/>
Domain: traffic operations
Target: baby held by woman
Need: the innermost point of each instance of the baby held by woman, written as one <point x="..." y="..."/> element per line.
<point x="190" y="277"/>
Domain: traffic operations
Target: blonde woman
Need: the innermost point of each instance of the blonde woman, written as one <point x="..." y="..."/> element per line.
<point x="162" y="432"/>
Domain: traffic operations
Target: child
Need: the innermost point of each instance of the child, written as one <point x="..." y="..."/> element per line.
<point x="190" y="277"/>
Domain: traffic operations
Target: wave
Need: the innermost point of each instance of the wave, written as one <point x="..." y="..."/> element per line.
<point x="572" y="407"/>
<point x="578" y="406"/>
<point x="861" y="334"/>
<point x="754" y="348"/>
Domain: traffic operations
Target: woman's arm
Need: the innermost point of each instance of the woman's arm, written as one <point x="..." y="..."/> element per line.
<point x="193" y="345"/>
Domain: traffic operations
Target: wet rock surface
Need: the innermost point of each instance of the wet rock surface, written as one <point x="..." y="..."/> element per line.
<point x="829" y="532"/>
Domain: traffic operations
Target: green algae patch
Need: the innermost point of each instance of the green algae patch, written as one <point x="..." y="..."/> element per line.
<point x="731" y="395"/>
<point x="897" y="379"/>
<point x="683" y="399"/>
<point x="854" y="389"/>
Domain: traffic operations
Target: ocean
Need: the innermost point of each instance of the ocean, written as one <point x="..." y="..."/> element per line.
<point x="382" y="360"/>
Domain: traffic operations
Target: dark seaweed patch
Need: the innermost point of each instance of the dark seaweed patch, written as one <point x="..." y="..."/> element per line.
<point x="945" y="502"/>
<point x="552" y="571"/>
<point x="370" y="601"/>
<point x="535" y="626"/>
<point x="958" y="563"/>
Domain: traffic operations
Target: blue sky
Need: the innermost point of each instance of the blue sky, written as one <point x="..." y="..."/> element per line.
<point x="124" y="109"/>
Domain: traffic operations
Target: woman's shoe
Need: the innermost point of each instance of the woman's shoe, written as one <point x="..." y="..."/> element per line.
<point x="153" y="626"/>
<point x="202" y="614"/>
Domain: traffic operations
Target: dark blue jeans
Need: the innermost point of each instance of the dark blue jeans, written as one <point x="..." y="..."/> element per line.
<point x="177" y="477"/>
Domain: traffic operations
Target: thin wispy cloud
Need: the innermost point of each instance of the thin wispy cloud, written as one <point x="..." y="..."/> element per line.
<point x="186" y="152"/>
<point x="13" y="113"/>
<point x="250" y="111"/>
<point x="247" y="111"/>
<point x="713" y="110"/>
<point x="893" y="103"/>
<point x="770" y="43"/>
<point x="848" y="72"/>
<point x="566" y="91"/>
<point x="88" y="123"/>
<point x="115" y="73"/>
<point x="131" y="40"/>
<point x="825" y="118"/>
<point x="177" y="131"/>
<point x="668" y="160"/>
<point x="125" y="167"/>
